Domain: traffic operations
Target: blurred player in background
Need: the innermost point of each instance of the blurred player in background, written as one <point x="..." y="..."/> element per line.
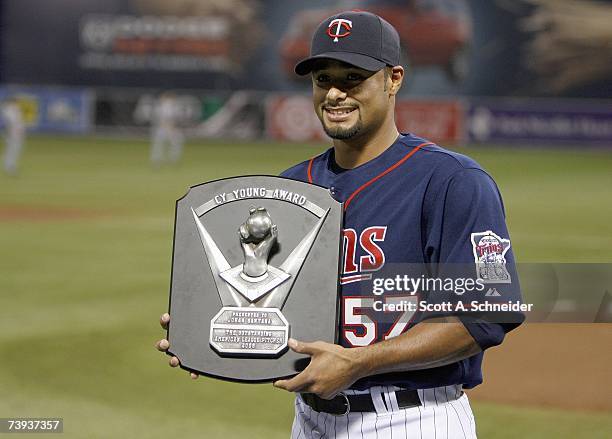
<point x="14" y="135"/>
<point x="165" y="124"/>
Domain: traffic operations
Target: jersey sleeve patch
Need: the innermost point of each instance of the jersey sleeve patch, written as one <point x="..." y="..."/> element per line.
<point x="489" y="251"/>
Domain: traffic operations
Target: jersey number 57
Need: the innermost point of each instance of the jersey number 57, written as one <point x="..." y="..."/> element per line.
<point x="361" y="328"/>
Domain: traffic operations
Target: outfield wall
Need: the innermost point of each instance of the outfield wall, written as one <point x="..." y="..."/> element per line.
<point x="290" y="117"/>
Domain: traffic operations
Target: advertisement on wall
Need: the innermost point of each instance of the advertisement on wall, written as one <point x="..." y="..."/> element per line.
<point x="238" y="115"/>
<point x="519" y="120"/>
<point x="292" y="118"/>
<point x="437" y="120"/>
<point x="52" y="110"/>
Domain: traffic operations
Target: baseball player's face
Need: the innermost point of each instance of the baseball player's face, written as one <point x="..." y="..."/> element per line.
<point x="348" y="100"/>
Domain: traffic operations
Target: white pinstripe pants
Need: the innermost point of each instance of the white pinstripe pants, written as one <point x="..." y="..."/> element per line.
<point x="443" y="415"/>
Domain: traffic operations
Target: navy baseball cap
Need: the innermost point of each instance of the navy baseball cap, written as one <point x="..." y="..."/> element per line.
<point x="358" y="38"/>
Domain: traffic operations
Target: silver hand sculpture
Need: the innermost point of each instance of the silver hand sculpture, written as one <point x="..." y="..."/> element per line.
<point x="257" y="237"/>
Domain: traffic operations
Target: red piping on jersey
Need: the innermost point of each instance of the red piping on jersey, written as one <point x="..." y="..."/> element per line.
<point x="310" y="170"/>
<point x="382" y="174"/>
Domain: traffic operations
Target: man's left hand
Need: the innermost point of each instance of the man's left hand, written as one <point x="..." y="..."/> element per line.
<point x="332" y="369"/>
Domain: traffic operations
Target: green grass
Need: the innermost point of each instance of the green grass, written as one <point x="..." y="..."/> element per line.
<point x="81" y="297"/>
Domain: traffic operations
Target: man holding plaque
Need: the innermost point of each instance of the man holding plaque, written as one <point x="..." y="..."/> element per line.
<point x="399" y="371"/>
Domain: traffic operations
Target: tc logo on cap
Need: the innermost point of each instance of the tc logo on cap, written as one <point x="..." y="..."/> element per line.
<point x="339" y="23"/>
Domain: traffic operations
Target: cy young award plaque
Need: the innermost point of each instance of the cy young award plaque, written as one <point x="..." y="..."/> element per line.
<point x="255" y="261"/>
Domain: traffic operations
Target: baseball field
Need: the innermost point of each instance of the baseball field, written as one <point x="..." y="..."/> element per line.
<point x="85" y="253"/>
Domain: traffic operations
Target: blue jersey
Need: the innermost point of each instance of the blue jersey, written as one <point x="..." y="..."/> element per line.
<point x="416" y="203"/>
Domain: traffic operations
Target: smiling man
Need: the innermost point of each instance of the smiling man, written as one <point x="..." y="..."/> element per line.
<point x="406" y="201"/>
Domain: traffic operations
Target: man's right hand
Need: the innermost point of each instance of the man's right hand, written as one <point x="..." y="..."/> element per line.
<point x="163" y="344"/>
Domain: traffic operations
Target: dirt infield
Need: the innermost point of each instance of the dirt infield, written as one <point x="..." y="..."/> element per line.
<point x="556" y="365"/>
<point x="18" y="213"/>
